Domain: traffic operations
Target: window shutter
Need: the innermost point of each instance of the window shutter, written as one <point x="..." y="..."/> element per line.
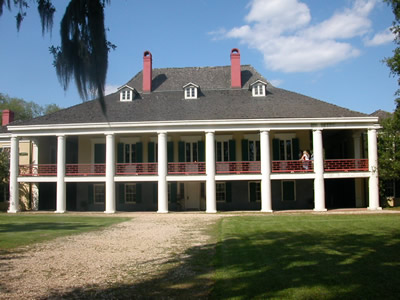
<point x="174" y="191"/>
<point x="170" y="151"/>
<point x="202" y="149"/>
<point x="245" y="150"/>
<point x="155" y="192"/>
<point x="150" y="152"/>
<point x="228" y="187"/>
<point x="90" y="193"/>
<point x="181" y="151"/>
<point x="121" y="193"/>
<point x="138" y="193"/>
<point x="275" y="149"/>
<point x="139" y="152"/>
<point x="232" y="150"/>
<point x="252" y="191"/>
<point x="120" y="153"/>
<point x="296" y="148"/>
<point x="99" y="153"/>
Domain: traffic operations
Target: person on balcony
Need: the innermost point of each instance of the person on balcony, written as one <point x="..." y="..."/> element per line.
<point x="305" y="158"/>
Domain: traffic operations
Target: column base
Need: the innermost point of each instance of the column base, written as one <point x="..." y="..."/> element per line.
<point x="211" y="211"/>
<point x="59" y="211"/>
<point x="320" y="209"/>
<point x="109" y="212"/>
<point x="267" y="210"/>
<point x="11" y="211"/>
<point x="374" y="208"/>
<point x="162" y="211"/>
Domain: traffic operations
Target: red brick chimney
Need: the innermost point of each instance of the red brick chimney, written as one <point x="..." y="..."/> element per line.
<point x="147" y="71"/>
<point x="236" y="76"/>
<point x="7" y="117"/>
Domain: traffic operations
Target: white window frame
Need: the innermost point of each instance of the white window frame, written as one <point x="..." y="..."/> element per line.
<point x="259" y="90"/>
<point x="126" y="93"/>
<point x="286" y="137"/>
<point x="95" y="193"/>
<point x="127" y="185"/>
<point x="294" y="190"/>
<point x="130" y="141"/>
<point x="191" y="92"/>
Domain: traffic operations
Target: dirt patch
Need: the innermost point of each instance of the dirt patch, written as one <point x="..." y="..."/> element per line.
<point x="149" y="255"/>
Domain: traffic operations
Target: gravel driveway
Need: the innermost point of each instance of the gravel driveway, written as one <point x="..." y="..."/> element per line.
<point x="133" y="257"/>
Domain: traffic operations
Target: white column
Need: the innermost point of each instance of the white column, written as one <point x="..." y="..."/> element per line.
<point x="358" y="181"/>
<point x="266" y="200"/>
<point x="162" y="173"/>
<point x="319" y="184"/>
<point x="14" y="169"/>
<point x="61" y="188"/>
<point x="110" y="172"/>
<point x="35" y="161"/>
<point x="211" y="198"/>
<point x="373" y="169"/>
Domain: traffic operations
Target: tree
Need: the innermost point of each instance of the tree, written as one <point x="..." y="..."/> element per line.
<point x="25" y="110"/>
<point x="394" y="62"/>
<point x="83" y="54"/>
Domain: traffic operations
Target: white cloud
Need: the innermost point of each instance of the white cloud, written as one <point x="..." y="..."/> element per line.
<point x="276" y="82"/>
<point x="282" y="31"/>
<point x="110" y="89"/>
<point x="380" y="38"/>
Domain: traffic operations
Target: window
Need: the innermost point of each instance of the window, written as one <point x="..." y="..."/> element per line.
<point x="222" y="151"/>
<point x="126" y="95"/>
<point x="254" y="191"/>
<point x="221" y="191"/>
<point x="288" y="190"/>
<point x="285" y="149"/>
<point x="190" y="91"/>
<point x="130" y="193"/>
<point x="99" y="193"/>
<point x="191" y="152"/>
<point x="4" y="192"/>
<point x="254" y="150"/>
<point x="130" y="153"/>
<point x="258" y="89"/>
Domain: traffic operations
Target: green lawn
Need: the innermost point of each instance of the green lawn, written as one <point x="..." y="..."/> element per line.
<point x="308" y="257"/>
<point x="20" y="230"/>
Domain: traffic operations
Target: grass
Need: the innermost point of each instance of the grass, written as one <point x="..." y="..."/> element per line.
<point x="308" y="257"/>
<point x="21" y="230"/>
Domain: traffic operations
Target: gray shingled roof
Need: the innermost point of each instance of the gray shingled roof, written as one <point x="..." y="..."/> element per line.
<point x="216" y="101"/>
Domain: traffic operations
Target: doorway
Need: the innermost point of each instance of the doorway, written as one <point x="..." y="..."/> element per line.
<point x="192" y="195"/>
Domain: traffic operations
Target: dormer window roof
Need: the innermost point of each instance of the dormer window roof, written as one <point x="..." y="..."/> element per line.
<point x="190" y="90"/>
<point x="258" y="88"/>
<point x="126" y="93"/>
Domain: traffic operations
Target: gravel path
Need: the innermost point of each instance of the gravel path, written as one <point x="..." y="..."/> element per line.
<point x="128" y="253"/>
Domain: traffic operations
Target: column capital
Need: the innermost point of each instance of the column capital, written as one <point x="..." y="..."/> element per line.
<point x="60" y="135"/>
<point x="265" y="130"/>
<point x="317" y="129"/>
<point x="210" y="131"/>
<point x="109" y="133"/>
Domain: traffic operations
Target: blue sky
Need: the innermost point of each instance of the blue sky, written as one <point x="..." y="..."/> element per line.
<point x="329" y="50"/>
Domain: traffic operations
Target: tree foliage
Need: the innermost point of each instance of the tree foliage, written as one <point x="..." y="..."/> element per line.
<point x="25" y="110"/>
<point x="389" y="147"/>
<point x="83" y="54"/>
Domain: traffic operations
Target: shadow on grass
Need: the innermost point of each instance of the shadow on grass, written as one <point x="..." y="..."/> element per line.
<point x="276" y="264"/>
<point x="15" y="227"/>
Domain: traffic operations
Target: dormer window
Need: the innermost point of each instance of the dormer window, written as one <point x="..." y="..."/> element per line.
<point x="190" y="90"/>
<point x="126" y="93"/>
<point x="258" y="88"/>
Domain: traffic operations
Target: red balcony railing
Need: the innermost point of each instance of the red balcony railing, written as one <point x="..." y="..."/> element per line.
<point x="292" y="166"/>
<point x="38" y="170"/>
<point x="345" y="165"/>
<point x="187" y="168"/>
<point x="85" y="169"/>
<point x="238" y="167"/>
<point x="137" y="169"/>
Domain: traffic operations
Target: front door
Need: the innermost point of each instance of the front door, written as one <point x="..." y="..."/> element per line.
<point x="192" y="195"/>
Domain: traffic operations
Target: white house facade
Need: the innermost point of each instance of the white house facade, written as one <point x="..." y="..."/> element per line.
<point x="210" y="139"/>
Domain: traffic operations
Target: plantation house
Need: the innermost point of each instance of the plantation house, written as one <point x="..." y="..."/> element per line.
<point x="209" y="138"/>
